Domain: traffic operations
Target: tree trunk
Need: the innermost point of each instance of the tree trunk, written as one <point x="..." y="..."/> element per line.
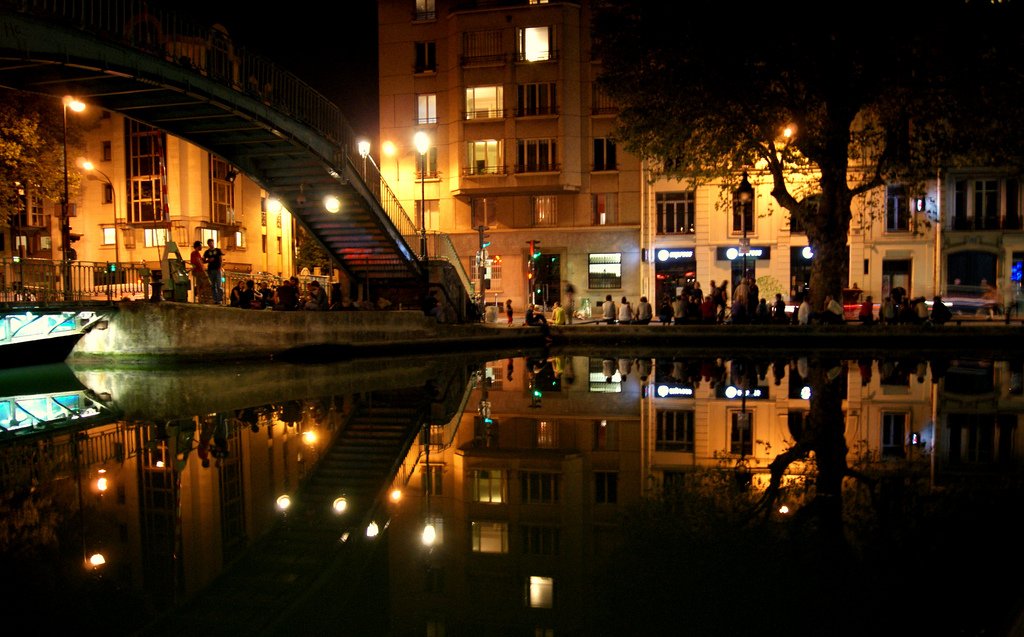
<point x="828" y="231"/>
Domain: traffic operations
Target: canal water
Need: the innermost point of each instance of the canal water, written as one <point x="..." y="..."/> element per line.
<point x="517" y="493"/>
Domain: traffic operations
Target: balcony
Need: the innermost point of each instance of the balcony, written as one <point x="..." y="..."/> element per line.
<point x="962" y="222"/>
<point x="484" y="113"/>
<point x="537" y="168"/>
<point x="481" y="169"/>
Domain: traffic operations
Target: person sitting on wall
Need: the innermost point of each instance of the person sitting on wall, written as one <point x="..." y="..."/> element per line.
<point x="832" y="314"/>
<point x="940" y="313"/>
<point x="287" y="296"/>
<point x="866" y="315"/>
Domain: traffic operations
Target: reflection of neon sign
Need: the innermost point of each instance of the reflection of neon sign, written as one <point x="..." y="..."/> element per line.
<point x="667" y="391"/>
<point x="733" y="253"/>
<point x="736" y="392"/>
<point x="665" y="255"/>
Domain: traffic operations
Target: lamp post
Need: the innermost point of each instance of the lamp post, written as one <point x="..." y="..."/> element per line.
<point x="422" y="142"/>
<point x="364" y="151"/>
<point x="745" y="197"/>
<point x="91" y="168"/>
<point x="65" y="221"/>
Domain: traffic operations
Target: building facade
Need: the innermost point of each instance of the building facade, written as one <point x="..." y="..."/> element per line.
<point x="140" y="188"/>
<point x="520" y="147"/>
<point x="523" y="170"/>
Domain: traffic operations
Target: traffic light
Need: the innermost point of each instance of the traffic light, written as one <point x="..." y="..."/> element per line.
<point x="534" y="250"/>
<point x="112" y="267"/>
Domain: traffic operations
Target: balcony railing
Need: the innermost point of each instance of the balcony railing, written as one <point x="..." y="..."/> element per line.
<point x="1009" y="222"/>
<point x="537" y="168"/>
<point x="485" y="113"/>
<point x="479" y="170"/>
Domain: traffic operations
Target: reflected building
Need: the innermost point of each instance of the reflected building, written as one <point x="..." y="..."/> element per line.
<point x="527" y="488"/>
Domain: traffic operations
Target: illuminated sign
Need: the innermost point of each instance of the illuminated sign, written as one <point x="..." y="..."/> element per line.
<point x="674" y="391"/>
<point x="732" y="392"/>
<point x="733" y="253"/>
<point x="736" y="392"/>
<point x="665" y="255"/>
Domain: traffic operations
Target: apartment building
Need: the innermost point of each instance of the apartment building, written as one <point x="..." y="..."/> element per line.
<point x="140" y="188"/>
<point x="520" y="145"/>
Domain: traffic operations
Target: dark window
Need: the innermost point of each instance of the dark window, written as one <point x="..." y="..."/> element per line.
<point x="674" y="431"/>
<point x="606" y="487"/>
<point x="675" y="212"/>
<point x="536" y="99"/>
<point x="107" y="152"/>
<point x="894" y="431"/>
<point x="897" y="209"/>
<point x="604" y="154"/>
<point x="426" y="57"/>
<point x="742" y="437"/>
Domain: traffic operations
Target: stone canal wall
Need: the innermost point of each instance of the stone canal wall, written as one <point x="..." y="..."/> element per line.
<point x="183" y="331"/>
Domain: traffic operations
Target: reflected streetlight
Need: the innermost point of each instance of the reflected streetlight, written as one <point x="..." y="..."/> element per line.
<point x="65" y="221"/>
<point x="102" y="177"/>
<point x="422" y="143"/>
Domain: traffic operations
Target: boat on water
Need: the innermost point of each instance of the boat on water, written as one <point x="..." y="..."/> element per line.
<point x="41" y="336"/>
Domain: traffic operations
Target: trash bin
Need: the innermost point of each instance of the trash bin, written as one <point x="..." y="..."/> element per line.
<point x="491" y="314"/>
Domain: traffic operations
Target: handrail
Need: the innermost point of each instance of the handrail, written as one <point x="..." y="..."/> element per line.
<point x="444" y="250"/>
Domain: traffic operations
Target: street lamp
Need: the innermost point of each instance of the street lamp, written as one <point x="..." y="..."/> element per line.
<point x="745" y="198"/>
<point x="364" y="151"/>
<point x="65" y="222"/>
<point x="422" y="142"/>
<point x="91" y="168"/>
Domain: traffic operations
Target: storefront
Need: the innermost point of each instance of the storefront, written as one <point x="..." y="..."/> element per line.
<point x="743" y="262"/>
<point x="674" y="270"/>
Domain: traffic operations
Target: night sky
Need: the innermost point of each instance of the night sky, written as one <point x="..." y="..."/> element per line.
<point x="335" y="53"/>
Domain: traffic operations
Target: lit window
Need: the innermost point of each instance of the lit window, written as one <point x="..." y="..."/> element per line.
<point x="483" y="102"/>
<point x="545" y="208"/>
<point x="547" y="434"/>
<point x="489" y="537"/>
<point x="155" y="237"/>
<point x="534" y="44"/>
<point x="605" y="271"/>
<point x="483" y="157"/>
<point x="541" y="592"/>
<point x="426" y="108"/>
<point x="488" y="486"/>
<point x="109" y="236"/>
<point x="426" y="10"/>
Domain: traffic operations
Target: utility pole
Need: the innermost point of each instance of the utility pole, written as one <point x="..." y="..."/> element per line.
<point x="531" y="268"/>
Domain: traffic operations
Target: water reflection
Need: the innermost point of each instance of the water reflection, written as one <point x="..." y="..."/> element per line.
<point x="570" y="493"/>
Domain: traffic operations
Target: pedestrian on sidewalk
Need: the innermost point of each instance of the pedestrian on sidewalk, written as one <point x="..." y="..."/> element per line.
<point x="508" y="311"/>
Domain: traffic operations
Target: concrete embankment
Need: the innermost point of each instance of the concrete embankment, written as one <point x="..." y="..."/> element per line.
<point x="142" y="331"/>
<point x="151" y="332"/>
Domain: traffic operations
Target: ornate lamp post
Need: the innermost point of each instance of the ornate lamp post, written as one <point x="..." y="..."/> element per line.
<point x="745" y="200"/>
<point x="422" y="142"/>
<point x="65" y="221"/>
<point x="364" y="152"/>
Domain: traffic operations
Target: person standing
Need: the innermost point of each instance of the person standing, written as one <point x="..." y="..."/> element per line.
<point x="508" y="311"/>
<point x="866" y="315"/>
<point x="201" y="290"/>
<point x="214" y="258"/>
<point x="570" y="302"/>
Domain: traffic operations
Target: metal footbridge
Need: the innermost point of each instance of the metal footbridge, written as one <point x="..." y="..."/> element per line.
<point x="195" y="83"/>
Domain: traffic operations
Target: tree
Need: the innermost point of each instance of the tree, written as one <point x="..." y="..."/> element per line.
<point x="706" y="93"/>
<point x="309" y="253"/>
<point x="31" y="150"/>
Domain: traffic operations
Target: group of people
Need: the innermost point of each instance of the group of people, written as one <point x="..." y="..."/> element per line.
<point x="897" y="309"/>
<point x="624" y="313"/>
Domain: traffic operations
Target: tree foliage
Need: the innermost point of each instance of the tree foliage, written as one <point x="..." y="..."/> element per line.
<point x="309" y="253"/>
<point x="707" y="90"/>
<point x="31" y="149"/>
